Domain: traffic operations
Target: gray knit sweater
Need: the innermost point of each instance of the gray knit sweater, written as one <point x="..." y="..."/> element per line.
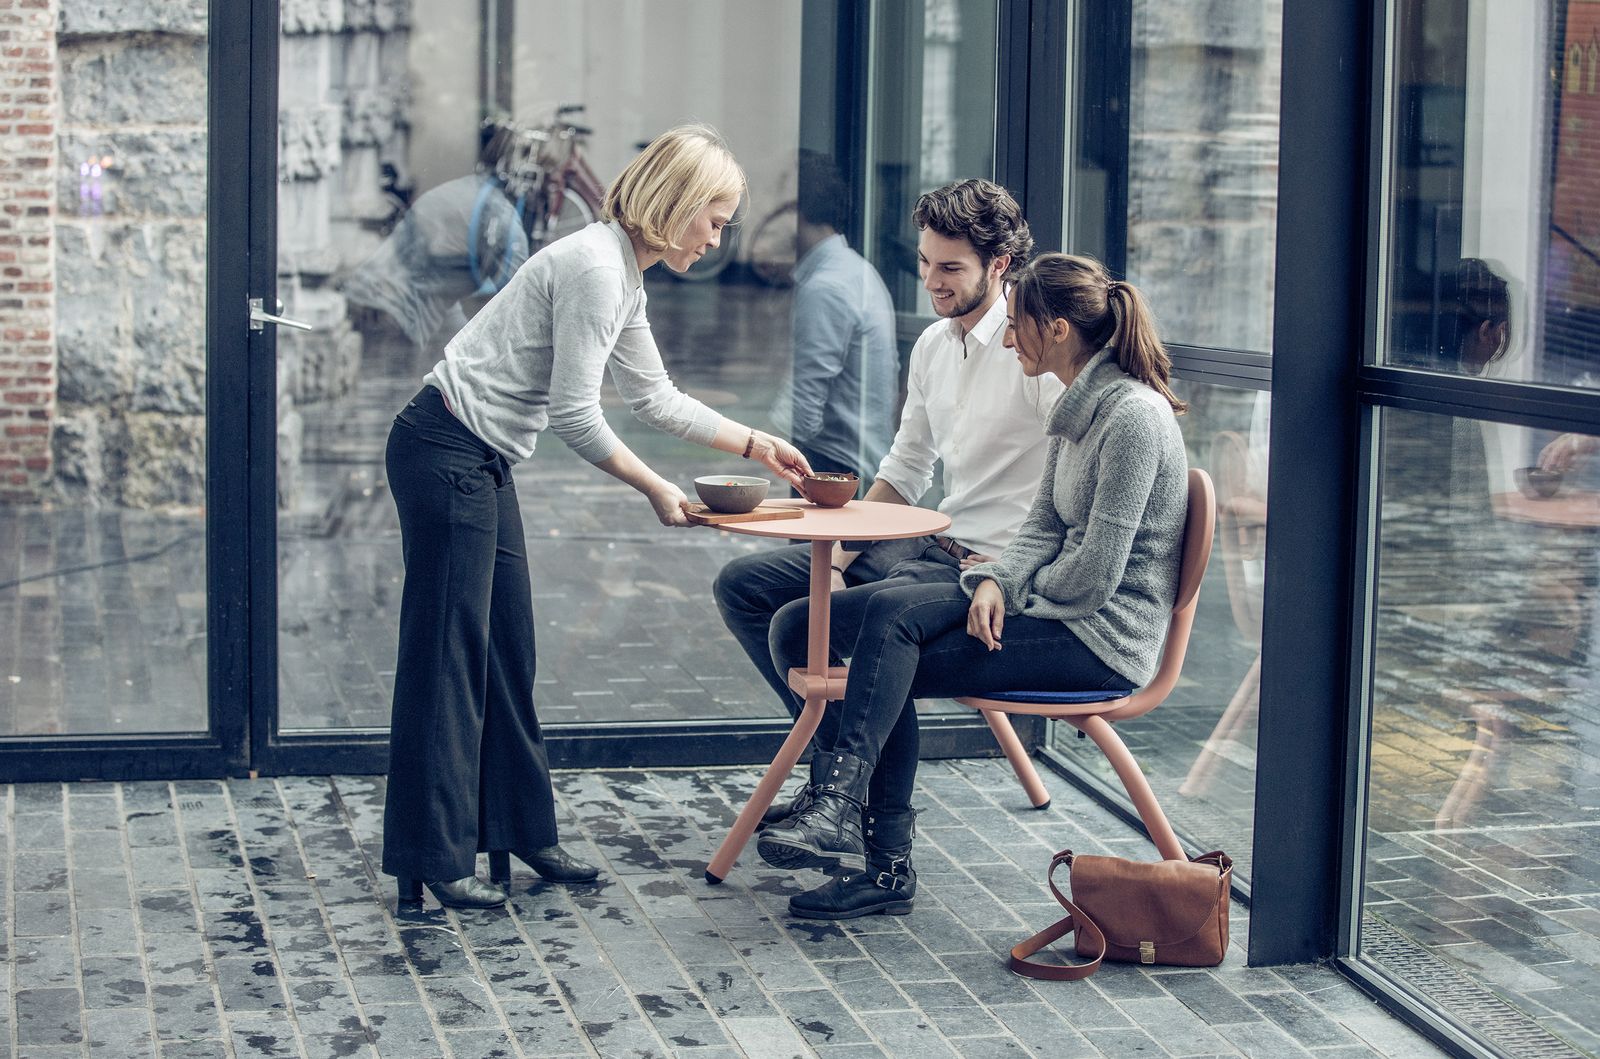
<point x="1099" y="549"/>
<point x="534" y="357"/>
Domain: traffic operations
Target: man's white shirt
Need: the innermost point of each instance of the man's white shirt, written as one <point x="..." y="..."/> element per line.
<point x="968" y="403"/>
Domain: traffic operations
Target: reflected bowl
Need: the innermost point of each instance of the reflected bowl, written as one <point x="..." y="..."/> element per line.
<point x="1537" y="483"/>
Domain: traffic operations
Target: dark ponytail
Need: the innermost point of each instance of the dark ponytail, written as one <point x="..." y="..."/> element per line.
<point x="1103" y="311"/>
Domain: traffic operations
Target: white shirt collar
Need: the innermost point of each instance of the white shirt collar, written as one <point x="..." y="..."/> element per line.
<point x="986" y="326"/>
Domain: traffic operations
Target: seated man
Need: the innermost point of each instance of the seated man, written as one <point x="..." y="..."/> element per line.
<point x="966" y="404"/>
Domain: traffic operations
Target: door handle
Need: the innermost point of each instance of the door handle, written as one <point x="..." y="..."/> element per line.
<point x="260" y="318"/>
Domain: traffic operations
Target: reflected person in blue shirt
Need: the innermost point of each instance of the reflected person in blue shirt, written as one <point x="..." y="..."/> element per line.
<point x="839" y="407"/>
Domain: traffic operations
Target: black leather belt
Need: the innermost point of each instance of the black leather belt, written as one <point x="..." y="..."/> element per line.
<point x="952" y="547"/>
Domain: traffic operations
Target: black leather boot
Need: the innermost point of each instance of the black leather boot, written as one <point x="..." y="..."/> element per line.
<point x="551" y="862"/>
<point x="827" y="835"/>
<point x="470" y="892"/>
<point x="889" y="884"/>
<point x="778" y="812"/>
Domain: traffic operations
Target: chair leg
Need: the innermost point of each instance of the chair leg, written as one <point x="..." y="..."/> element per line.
<point x="745" y="826"/>
<point x="1240" y="709"/>
<point x="1015" y="753"/>
<point x="1133" y="781"/>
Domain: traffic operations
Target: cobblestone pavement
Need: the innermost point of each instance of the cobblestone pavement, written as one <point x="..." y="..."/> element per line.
<point x="206" y="919"/>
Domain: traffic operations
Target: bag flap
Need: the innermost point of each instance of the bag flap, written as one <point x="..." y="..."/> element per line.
<point x="1165" y="902"/>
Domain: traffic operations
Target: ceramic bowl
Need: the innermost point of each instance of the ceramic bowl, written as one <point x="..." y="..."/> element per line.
<point x="828" y="489"/>
<point x="731" y="494"/>
<point x="1537" y="483"/>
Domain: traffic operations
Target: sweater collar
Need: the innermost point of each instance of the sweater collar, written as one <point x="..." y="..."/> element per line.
<point x="1075" y="409"/>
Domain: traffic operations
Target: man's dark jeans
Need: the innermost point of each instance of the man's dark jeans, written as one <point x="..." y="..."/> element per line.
<point x="467" y="764"/>
<point x="763" y="599"/>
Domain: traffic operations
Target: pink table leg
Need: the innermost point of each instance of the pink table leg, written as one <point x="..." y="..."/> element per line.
<point x="804" y="727"/>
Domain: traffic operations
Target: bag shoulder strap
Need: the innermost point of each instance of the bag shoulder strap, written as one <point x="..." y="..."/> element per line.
<point x="1074" y="921"/>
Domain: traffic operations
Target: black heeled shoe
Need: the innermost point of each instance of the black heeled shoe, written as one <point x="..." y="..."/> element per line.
<point x="471" y="892"/>
<point x="551" y="862"/>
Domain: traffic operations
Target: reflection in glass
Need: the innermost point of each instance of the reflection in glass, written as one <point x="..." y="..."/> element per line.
<point x="1485" y="729"/>
<point x="931" y="122"/>
<point x="1200" y="166"/>
<point x="840" y="402"/>
<point x="1492" y="156"/>
<point x="103" y="376"/>
<point x="1198" y="749"/>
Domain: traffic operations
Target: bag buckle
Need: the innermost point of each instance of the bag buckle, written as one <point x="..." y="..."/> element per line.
<point x="1147" y="952"/>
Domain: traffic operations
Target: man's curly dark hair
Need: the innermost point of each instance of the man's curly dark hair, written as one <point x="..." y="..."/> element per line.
<point x="981" y="212"/>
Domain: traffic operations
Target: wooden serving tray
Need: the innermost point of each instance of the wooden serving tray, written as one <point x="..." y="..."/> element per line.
<point x="701" y="515"/>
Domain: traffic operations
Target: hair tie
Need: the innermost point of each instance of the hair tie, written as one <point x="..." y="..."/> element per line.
<point x="1112" y="287"/>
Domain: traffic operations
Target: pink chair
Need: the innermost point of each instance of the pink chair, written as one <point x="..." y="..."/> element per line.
<point x="1093" y="713"/>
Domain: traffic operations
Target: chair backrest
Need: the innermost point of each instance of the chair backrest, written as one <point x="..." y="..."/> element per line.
<point x="1199" y="526"/>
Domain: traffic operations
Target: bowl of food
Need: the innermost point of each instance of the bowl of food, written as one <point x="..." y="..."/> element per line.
<point x="731" y="494"/>
<point x="829" y="488"/>
<point x="1537" y="483"/>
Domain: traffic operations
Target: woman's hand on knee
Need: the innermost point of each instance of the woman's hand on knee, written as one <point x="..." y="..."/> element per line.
<point x="670" y="505"/>
<point x="986" y="617"/>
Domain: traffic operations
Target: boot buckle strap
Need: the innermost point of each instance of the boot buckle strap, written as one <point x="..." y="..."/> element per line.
<point x="888" y="880"/>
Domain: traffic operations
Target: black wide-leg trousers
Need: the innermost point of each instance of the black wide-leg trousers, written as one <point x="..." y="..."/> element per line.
<point x="467" y="763"/>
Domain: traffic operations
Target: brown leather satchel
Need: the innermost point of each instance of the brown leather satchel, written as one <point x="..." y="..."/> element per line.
<point x="1167" y="911"/>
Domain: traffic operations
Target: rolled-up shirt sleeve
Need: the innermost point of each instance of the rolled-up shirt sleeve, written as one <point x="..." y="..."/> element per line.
<point x="642" y="381"/>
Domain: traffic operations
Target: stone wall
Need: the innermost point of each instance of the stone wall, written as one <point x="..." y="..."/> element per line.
<point x="27" y="272"/>
<point x="131" y="253"/>
<point x="123" y="147"/>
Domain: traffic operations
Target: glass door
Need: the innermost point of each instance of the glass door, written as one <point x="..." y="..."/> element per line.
<point x="424" y="152"/>
<point x="123" y="352"/>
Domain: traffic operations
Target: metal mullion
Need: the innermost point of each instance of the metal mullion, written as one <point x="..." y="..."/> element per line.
<point x="262" y="407"/>
<point x="1496" y="400"/>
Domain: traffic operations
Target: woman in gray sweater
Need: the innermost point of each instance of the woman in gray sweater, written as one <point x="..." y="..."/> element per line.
<point x="467" y="764"/>
<point x="1078" y="601"/>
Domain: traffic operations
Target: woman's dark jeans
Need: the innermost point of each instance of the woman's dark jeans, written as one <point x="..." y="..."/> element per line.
<point x="467" y="763"/>
<point x="913" y="644"/>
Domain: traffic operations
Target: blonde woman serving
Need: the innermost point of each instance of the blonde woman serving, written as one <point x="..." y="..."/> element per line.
<point x="467" y="768"/>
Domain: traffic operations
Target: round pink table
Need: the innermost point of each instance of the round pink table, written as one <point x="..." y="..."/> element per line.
<point x="859" y="520"/>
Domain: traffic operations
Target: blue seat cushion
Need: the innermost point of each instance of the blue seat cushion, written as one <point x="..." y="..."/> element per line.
<point x="1055" y="697"/>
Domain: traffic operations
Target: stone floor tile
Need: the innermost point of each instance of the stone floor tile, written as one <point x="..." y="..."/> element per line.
<point x="48" y="1017"/>
<point x="185" y="1011"/>
<point x="766" y="1038"/>
<point x="113" y="982"/>
<point x="953" y="1009"/>
<point x="404" y="1031"/>
<point x="124" y="1034"/>
<point x="479" y="1044"/>
<point x="192" y="1049"/>
<point x="460" y="1002"/>
<point x="252" y="1037"/>
<point x="1042" y="1030"/>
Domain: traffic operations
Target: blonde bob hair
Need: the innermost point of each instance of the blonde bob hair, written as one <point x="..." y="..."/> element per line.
<point x="683" y="171"/>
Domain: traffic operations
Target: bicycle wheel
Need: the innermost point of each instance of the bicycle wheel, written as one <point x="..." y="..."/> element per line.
<point x="576" y="214"/>
<point x="712" y="265"/>
<point x="772" y="246"/>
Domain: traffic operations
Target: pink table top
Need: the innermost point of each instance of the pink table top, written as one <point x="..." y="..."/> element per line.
<point x="859" y="520"/>
<point x="1572" y="508"/>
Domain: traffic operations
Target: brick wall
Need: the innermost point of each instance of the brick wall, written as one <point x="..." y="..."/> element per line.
<point x="27" y="261"/>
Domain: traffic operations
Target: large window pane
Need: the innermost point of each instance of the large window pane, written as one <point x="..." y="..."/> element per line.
<point x="1493" y="215"/>
<point x="613" y="591"/>
<point x="1200" y="170"/>
<point x="1198" y="750"/>
<point x="1481" y="860"/>
<point x="930" y="121"/>
<point x="103" y="370"/>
